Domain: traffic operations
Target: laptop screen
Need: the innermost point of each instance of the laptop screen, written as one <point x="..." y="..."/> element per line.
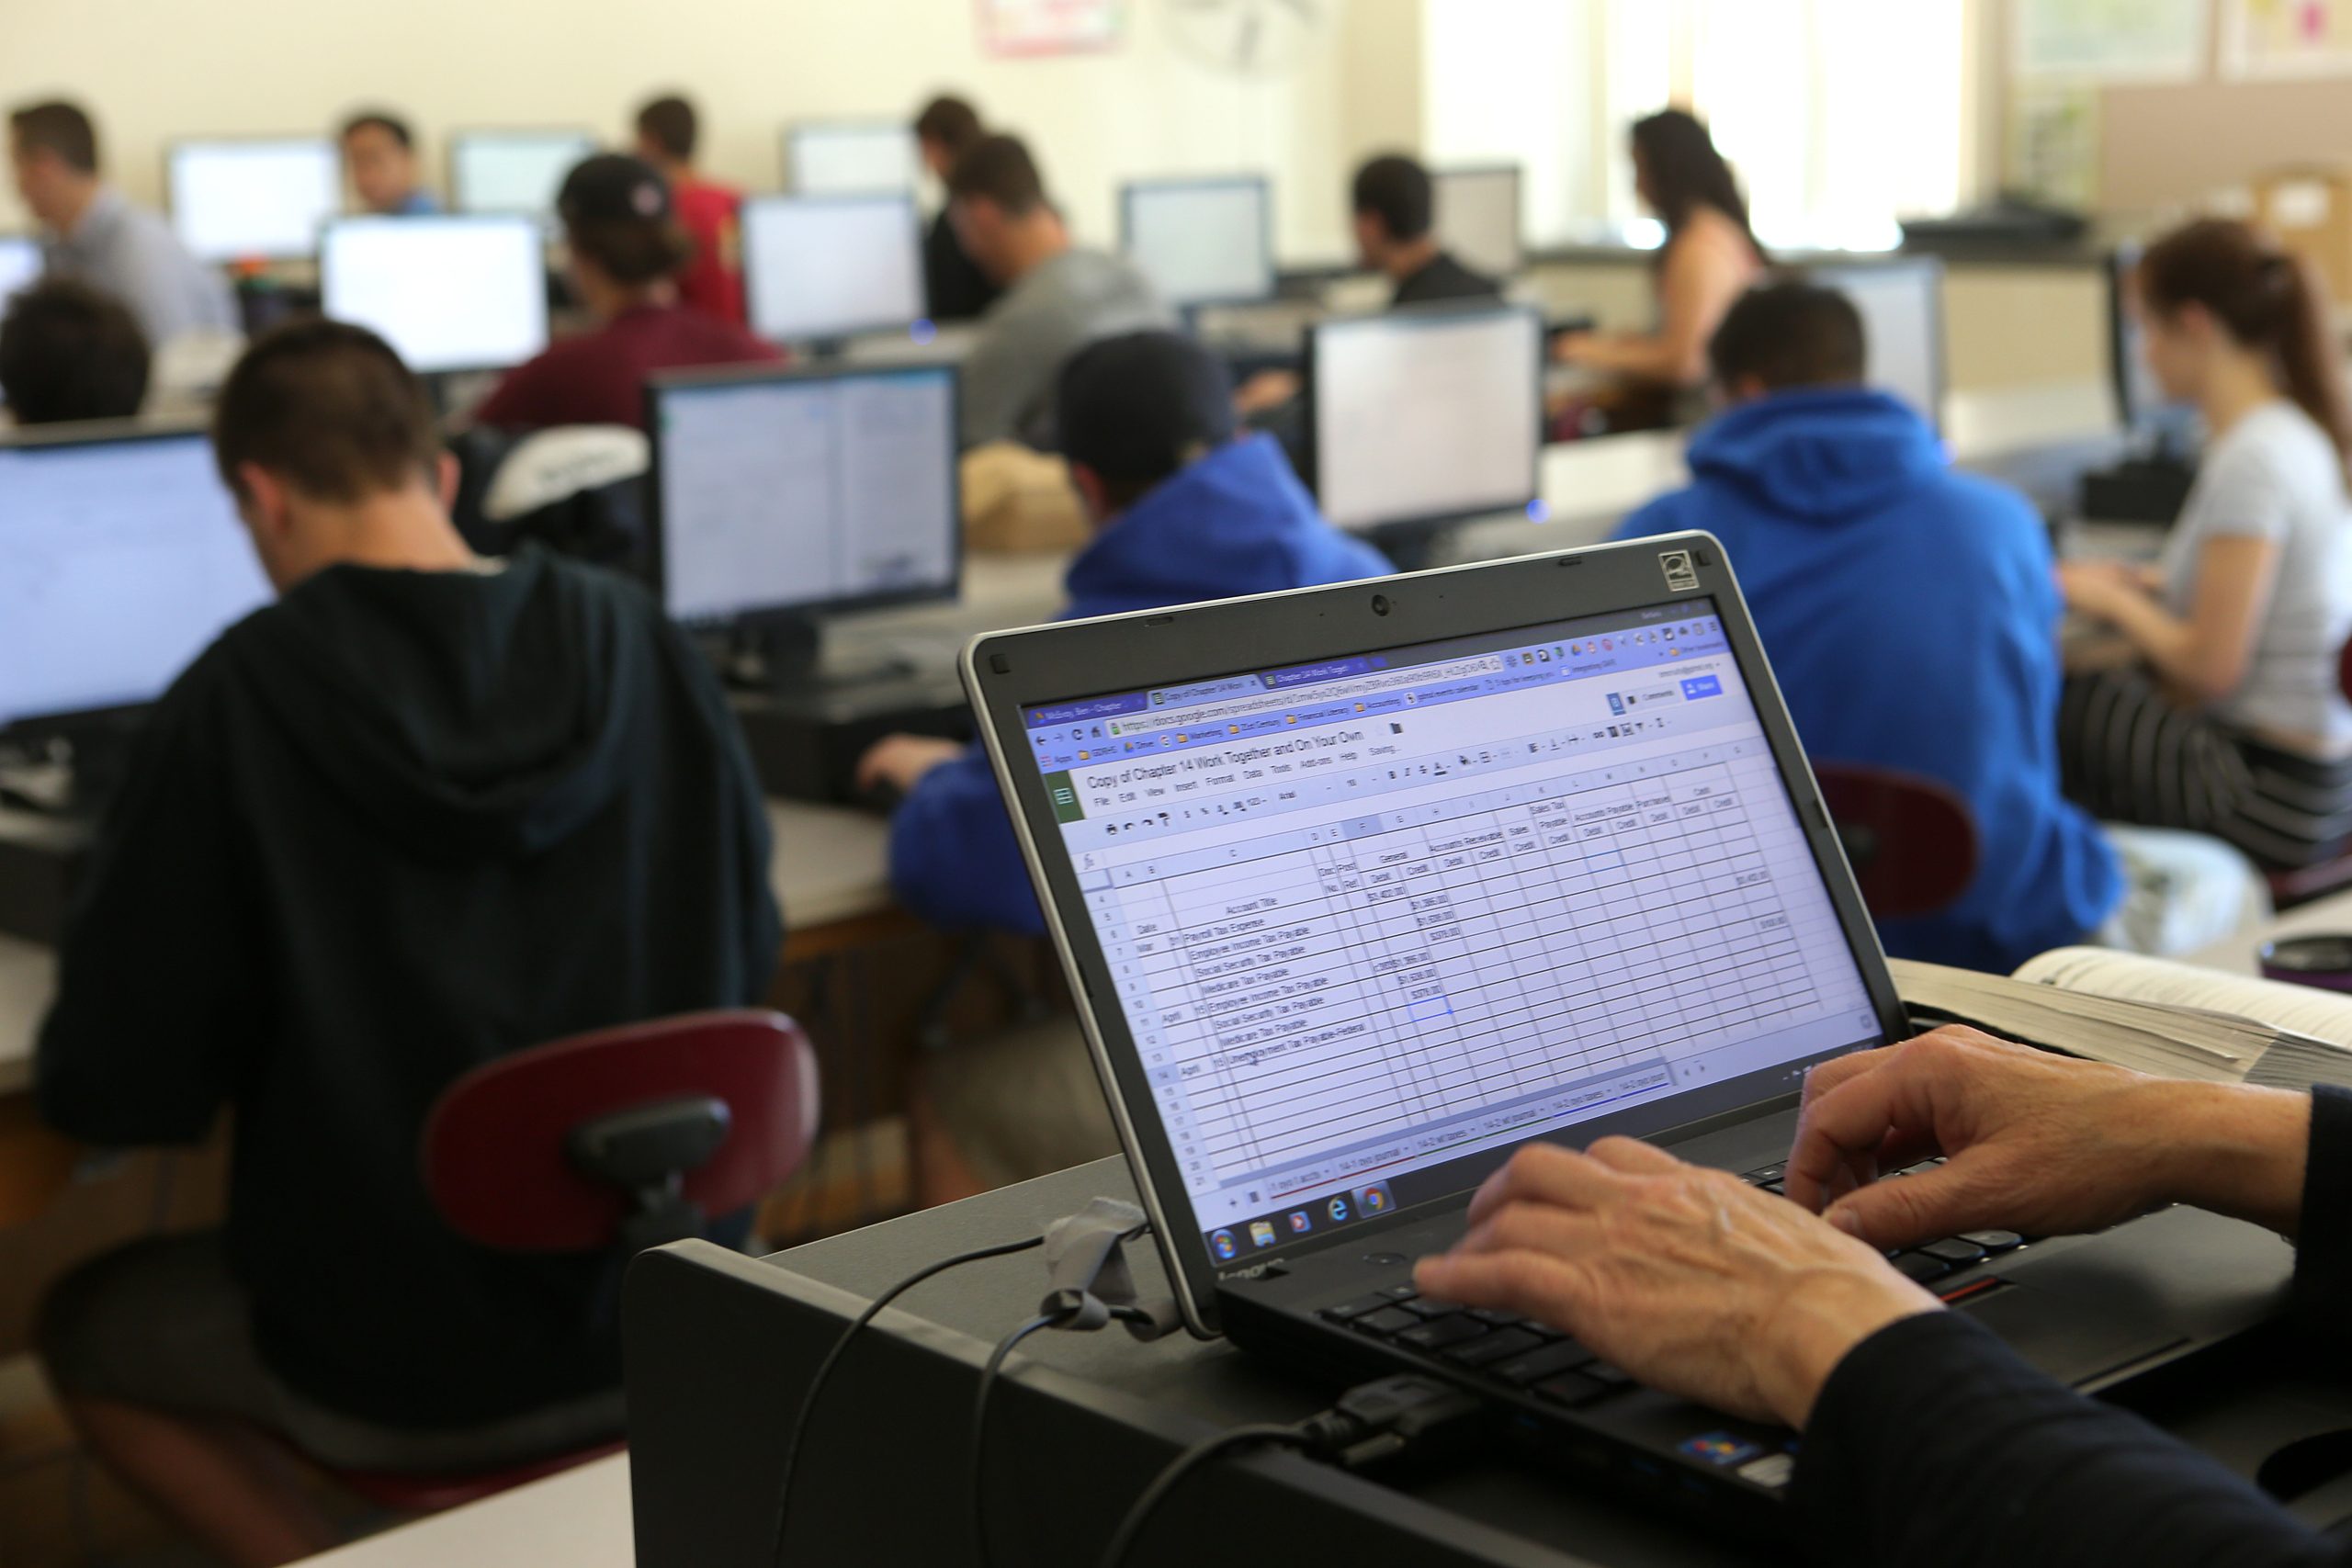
<point x="1372" y="917"/>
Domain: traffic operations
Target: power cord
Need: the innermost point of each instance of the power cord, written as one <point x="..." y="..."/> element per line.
<point x="833" y="1358"/>
<point x="1372" y="1424"/>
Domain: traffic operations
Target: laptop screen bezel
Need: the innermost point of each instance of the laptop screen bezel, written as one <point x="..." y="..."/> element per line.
<point x="1007" y="672"/>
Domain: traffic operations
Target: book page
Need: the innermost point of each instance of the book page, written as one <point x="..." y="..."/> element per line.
<point x="2301" y="1009"/>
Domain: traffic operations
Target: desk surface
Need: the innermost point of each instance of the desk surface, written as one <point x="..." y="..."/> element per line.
<point x="578" y="1520"/>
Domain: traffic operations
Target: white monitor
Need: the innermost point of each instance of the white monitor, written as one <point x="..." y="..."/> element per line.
<point x="1901" y="307"/>
<point x="779" y="492"/>
<point x="1426" y="415"/>
<point x="20" y="264"/>
<point x="235" y="200"/>
<point x="850" y="158"/>
<point x="447" y="293"/>
<point x="1207" y="241"/>
<point x="1479" y="218"/>
<point x="831" y="266"/>
<point x="514" y="171"/>
<point x="126" y="560"/>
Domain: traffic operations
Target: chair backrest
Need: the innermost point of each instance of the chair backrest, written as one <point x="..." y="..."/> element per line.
<point x="1912" y="841"/>
<point x="501" y="1159"/>
<point x="2344" y="671"/>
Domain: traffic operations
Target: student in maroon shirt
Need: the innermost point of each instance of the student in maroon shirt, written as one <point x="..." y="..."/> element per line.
<point x="627" y="250"/>
<point x="667" y="130"/>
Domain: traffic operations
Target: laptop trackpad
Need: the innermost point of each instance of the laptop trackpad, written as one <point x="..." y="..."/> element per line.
<point x="2064" y="1340"/>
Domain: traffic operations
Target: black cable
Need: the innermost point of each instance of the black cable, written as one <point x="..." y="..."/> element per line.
<point x="1191" y="1459"/>
<point x="1004" y="1348"/>
<point x="833" y="1358"/>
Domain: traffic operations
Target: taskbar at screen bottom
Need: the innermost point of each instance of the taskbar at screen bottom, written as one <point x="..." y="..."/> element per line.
<point x="1372" y="1196"/>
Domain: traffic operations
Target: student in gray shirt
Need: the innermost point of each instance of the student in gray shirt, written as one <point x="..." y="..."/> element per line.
<point x="99" y="238"/>
<point x="1058" y="297"/>
<point x="2238" y="724"/>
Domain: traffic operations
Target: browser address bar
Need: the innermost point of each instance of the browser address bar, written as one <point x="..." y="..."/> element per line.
<point x="1338" y="690"/>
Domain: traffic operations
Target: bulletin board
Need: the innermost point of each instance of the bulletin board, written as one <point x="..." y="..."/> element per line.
<point x="2109" y="40"/>
<point x="2287" y="38"/>
<point x="1029" y="28"/>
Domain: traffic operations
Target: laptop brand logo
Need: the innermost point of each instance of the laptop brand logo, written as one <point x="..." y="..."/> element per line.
<point x="1682" y="576"/>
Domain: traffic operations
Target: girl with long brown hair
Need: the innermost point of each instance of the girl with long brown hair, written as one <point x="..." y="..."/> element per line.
<point x="2234" y="722"/>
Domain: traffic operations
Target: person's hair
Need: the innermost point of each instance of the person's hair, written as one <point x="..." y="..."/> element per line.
<point x="390" y="124"/>
<point x="633" y="252"/>
<point x="998" y="169"/>
<point x="1398" y="190"/>
<point x="1686" y="172"/>
<point x="70" y="352"/>
<point x="61" y="128"/>
<point x="2266" y="299"/>
<point x="1791" y="333"/>
<point x="950" y="121"/>
<point x="671" y="124"/>
<point x="331" y="408"/>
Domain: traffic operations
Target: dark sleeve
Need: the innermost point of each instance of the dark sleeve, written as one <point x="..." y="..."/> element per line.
<point x="153" y="1003"/>
<point x="2324" y="1254"/>
<point x="745" y="806"/>
<point x="1934" y="1444"/>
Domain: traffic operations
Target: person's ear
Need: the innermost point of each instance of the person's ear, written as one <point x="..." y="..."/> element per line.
<point x="1092" y="492"/>
<point x="445" y="480"/>
<point x="1746" y="389"/>
<point x="267" y="502"/>
<point x="1370" y="236"/>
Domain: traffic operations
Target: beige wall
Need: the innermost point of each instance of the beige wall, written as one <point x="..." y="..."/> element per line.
<point x="2165" y="147"/>
<point x="152" y="69"/>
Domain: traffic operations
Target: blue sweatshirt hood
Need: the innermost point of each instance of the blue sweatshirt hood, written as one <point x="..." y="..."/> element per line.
<point x="1236" y="522"/>
<point x="1826" y="455"/>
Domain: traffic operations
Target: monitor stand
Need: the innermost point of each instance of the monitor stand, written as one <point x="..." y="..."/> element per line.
<point x="809" y="712"/>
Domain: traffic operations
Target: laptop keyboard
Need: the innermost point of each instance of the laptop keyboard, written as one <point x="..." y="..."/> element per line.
<point x="1516" y="1353"/>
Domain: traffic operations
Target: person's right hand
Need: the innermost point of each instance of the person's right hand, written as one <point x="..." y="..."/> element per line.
<point x="2035" y="1143"/>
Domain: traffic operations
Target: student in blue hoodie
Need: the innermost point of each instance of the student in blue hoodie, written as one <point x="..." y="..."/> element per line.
<point x="1911" y="614"/>
<point x="1182" y="512"/>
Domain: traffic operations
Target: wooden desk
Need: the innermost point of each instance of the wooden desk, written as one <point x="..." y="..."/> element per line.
<point x="578" y="1520"/>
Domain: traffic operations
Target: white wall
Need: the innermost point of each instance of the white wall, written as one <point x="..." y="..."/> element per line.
<point x="152" y="69"/>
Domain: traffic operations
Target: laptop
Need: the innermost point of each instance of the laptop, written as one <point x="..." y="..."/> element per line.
<point x="1361" y="888"/>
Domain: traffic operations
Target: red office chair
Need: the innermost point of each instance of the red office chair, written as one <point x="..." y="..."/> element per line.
<point x="2303" y="884"/>
<point x="1911" y="841"/>
<point x="626" y="1138"/>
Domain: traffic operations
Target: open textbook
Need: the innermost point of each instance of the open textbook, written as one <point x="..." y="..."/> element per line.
<point x="2148" y="1014"/>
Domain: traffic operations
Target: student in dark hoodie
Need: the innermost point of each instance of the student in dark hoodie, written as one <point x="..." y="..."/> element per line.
<point x="1911" y="614"/>
<point x="424" y="811"/>
<point x="1183" y="512"/>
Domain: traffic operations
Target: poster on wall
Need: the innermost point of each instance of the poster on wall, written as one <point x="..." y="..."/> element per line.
<point x="1050" y="27"/>
<point x="2109" y="40"/>
<point x="2287" y="38"/>
<point x="2053" y="145"/>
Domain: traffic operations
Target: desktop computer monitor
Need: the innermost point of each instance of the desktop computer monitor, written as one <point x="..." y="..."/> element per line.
<point x="447" y="293"/>
<point x="1478" y="218"/>
<point x="20" y="264"/>
<point x="781" y="496"/>
<point x="126" y="560"/>
<point x="514" y="171"/>
<point x="825" y="267"/>
<point x="1426" y="416"/>
<point x="1902" y="305"/>
<point x="1201" y="241"/>
<point x="261" y="199"/>
<point x="850" y="158"/>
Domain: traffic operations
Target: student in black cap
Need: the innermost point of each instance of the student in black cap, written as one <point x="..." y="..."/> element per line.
<point x="1184" y="512"/>
<point x="627" y="251"/>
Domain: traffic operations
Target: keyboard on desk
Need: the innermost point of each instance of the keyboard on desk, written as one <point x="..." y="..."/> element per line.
<point x="1506" y="1350"/>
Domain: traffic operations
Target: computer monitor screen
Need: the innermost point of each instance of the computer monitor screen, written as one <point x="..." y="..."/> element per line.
<point x="782" y="492"/>
<point x="236" y="200"/>
<point x="831" y="266"/>
<point x="1479" y="218"/>
<point x="1901" y="307"/>
<point x="1201" y="241"/>
<point x="877" y="159"/>
<point x="20" y="264"/>
<point x="514" y="171"/>
<point x="447" y="293"/>
<point x="126" y="560"/>
<point x="1426" y="415"/>
<point x="1374" y="916"/>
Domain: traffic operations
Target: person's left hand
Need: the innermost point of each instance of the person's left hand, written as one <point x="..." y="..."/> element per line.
<point x="1690" y="1279"/>
<point x="900" y="761"/>
<point x="1575" y="348"/>
<point x="2095" y="587"/>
